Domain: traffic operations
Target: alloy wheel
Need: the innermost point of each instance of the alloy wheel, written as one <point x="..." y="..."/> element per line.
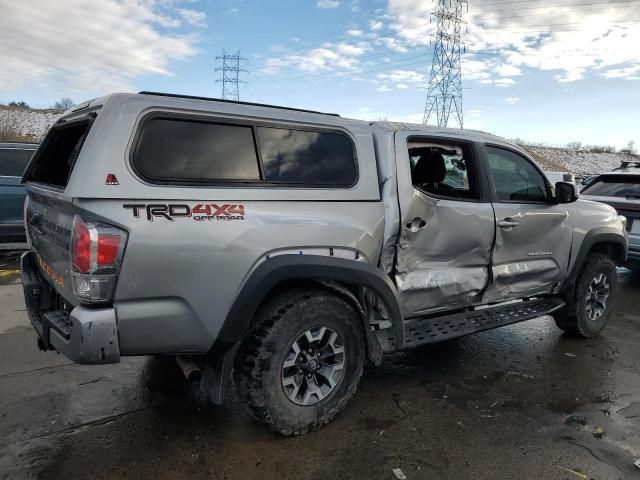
<point x="313" y="366"/>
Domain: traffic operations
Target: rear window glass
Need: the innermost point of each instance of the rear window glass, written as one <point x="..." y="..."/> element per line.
<point x="307" y="157"/>
<point x="185" y="150"/>
<point x="196" y="151"/>
<point x="13" y="161"/>
<point x="615" y="186"/>
<point x="58" y="154"/>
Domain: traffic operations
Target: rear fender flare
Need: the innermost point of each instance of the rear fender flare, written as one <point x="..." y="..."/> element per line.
<point x="281" y="268"/>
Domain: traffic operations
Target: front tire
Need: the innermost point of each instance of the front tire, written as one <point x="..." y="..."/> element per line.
<point x="589" y="305"/>
<point x="302" y="360"/>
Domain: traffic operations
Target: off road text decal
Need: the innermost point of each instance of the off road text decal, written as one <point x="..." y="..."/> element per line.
<point x="202" y="212"/>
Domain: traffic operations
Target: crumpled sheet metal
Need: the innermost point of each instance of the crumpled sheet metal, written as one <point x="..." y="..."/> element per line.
<point x="385" y="149"/>
<point x="440" y="286"/>
<point x="445" y="263"/>
<point x="513" y="279"/>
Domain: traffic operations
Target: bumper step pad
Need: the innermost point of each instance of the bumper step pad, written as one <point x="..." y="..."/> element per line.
<point x="421" y="331"/>
<point x="59" y="321"/>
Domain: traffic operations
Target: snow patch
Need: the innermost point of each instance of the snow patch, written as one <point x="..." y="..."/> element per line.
<point x="26" y="124"/>
<point x="575" y="161"/>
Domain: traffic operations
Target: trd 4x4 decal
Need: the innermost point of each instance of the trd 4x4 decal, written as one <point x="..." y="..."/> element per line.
<point x="202" y="212"/>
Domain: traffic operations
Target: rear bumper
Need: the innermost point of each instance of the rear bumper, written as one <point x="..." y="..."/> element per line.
<point x="86" y="336"/>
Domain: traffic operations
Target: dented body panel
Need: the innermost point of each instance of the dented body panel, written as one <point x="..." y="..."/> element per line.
<point x="443" y="261"/>
<point x="531" y="258"/>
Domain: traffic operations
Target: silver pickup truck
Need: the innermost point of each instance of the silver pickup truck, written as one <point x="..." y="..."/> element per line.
<point x="284" y="248"/>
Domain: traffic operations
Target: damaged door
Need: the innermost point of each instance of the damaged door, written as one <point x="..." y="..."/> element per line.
<point x="533" y="236"/>
<point x="447" y="224"/>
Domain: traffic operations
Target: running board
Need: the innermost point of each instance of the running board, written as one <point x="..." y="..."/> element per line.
<point x="420" y="331"/>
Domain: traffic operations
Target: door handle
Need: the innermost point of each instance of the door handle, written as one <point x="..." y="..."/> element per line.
<point x="416" y="224"/>
<point x="508" y="223"/>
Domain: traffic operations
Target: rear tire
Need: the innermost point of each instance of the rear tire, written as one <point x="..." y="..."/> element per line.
<point x="302" y="360"/>
<point x="589" y="304"/>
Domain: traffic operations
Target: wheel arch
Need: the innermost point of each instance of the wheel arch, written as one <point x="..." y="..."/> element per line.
<point x="600" y="240"/>
<point x="336" y="274"/>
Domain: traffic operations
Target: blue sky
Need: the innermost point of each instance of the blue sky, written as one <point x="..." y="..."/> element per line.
<point x="544" y="71"/>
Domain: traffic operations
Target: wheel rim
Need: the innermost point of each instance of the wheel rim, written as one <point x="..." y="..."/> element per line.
<point x="597" y="296"/>
<point x="312" y="366"/>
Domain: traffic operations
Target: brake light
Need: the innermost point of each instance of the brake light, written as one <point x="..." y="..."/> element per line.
<point x="81" y="248"/>
<point x="96" y="255"/>
<point x="108" y="247"/>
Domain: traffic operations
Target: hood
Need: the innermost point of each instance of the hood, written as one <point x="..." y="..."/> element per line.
<point x="619" y="203"/>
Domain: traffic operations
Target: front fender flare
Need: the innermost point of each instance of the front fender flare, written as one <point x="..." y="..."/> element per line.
<point x="594" y="237"/>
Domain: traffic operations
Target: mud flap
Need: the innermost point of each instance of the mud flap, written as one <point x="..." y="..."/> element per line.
<point x="216" y="374"/>
<point x="374" y="350"/>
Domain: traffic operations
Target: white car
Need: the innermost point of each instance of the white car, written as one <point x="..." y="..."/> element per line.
<point x="560" y="177"/>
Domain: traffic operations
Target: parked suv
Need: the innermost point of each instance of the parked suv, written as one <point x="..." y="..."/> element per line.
<point x="621" y="189"/>
<point x="284" y="248"/>
<point x="13" y="160"/>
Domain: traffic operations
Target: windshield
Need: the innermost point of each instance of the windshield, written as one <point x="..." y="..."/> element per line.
<point x="625" y="186"/>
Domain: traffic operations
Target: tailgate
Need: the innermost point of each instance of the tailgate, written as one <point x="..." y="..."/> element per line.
<point x="49" y="219"/>
<point x="49" y="211"/>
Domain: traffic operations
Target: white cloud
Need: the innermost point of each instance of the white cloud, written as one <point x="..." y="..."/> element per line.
<point x="91" y="47"/>
<point x="400" y="79"/>
<point x="569" y="41"/>
<point x="512" y="100"/>
<point x="403" y="76"/>
<point x="326" y="58"/>
<point x="504" y="82"/>
<point x="622" y="72"/>
<point x="392" y="43"/>
<point x="328" y="4"/>
<point x="193" y="17"/>
<point x="375" y="25"/>
<point x="506" y="70"/>
<point x="355" y="32"/>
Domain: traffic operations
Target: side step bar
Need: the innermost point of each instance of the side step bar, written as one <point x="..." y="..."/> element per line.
<point x="420" y="331"/>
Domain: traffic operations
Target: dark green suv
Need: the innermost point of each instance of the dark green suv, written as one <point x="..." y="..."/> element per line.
<point x="13" y="160"/>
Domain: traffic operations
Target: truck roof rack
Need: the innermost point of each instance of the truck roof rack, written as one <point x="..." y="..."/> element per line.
<point x="209" y="99"/>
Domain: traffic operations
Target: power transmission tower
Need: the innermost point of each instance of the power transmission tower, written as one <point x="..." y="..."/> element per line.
<point x="444" y="95"/>
<point x="231" y="75"/>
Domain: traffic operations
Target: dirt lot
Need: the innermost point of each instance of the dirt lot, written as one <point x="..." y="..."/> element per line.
<point x="518" y="402"/>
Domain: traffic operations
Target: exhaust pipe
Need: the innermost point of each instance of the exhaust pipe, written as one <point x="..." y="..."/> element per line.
<point x="190" y="370"/>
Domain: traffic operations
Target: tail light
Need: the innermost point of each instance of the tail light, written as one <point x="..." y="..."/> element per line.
<point x="96" y="255"/>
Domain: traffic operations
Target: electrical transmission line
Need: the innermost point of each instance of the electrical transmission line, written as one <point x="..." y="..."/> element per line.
<point x="444" y="95"/>
<point x="231" y="75"/>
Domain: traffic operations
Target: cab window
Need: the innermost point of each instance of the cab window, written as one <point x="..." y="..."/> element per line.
<point x="515" y="178"/>
<point x="443" y="170"/>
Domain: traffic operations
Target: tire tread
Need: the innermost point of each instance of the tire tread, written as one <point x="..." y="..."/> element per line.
<point x="252" y="360"/>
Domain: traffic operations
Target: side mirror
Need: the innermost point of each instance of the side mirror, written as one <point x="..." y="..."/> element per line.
<point x="566" y="192"/>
